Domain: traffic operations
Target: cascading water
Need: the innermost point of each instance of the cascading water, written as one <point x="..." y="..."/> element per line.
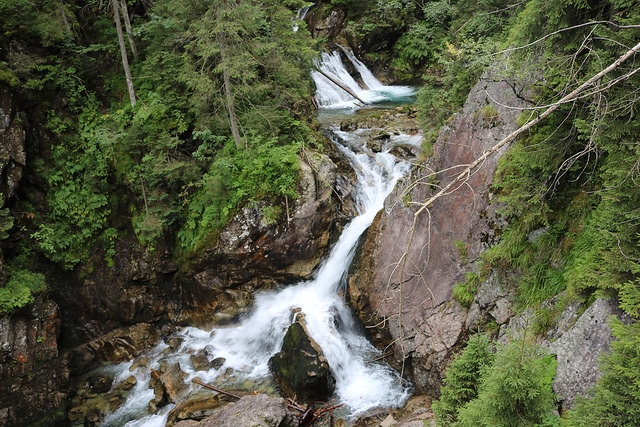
<point x="361" y="384"/>
<point x="302" y="13"/>
<point x="330" y="95"/>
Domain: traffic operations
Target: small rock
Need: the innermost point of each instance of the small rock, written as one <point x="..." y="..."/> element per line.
<point x="200" y="361"/>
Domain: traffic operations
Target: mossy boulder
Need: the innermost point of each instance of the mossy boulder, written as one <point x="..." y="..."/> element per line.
<point x="300" y="369"/>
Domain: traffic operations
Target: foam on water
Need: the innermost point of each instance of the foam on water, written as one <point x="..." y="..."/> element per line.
<point x="361" y="384"/>
<point x="329" y="95"/>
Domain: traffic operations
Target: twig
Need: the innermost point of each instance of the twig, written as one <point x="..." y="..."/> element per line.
<point x="210" y="387"/>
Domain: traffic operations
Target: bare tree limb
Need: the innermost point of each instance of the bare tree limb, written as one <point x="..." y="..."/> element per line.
<point x="585" y="24"/>
<point x="575" y="94"/>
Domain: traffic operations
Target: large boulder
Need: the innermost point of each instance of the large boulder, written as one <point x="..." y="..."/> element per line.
<point x="256" y="410"/>
<point x="300" y="368"/>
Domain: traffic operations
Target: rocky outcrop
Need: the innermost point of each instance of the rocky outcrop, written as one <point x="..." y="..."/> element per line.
<point x="253" y="252"/>
<point x="257" y="410"/>
<point x="34" y="373"/>
<point x="13" y="155"/>
<point x="116" y="346"/>
<point x="408" y="288"/>
<point x="300" y="368"/>
<point x="256" y="252"/>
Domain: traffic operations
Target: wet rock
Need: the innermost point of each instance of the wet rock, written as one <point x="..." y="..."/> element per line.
<point x="117" y="346"/>
<point x="173" y="381"/>
<point x="160" y="395"/>
<point x="300" y="369"/>
<point x="100" y="383"/>
<point x="217" y="362"/>
<point x="257" y="410"/>
<point x="91" y="404"/>
<point x="197" y="408"/>
<point x="200" y="361"/>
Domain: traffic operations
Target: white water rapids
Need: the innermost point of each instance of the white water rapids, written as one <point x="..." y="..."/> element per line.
<point x="361" y="383"/>
<point x="329" y="95"/>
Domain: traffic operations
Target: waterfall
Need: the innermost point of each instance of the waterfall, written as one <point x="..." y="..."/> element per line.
<point x="361" y="383"/>
<point x="330" y="95"/>
<point x="302" y="12"/>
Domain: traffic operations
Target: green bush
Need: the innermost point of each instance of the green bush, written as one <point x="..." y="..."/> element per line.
<point x="19" y="290"/>
<point x="462" y="379"/>
<point x="515" y="391"/>
<point x="465" y="292"/>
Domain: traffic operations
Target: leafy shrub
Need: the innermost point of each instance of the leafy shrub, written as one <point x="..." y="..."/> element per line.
<point x="465" y="292"/>
<point x="514" y="391"/>
<point x="19" y="290"/>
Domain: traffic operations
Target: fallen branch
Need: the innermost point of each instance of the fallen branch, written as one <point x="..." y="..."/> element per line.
<point x="210" y="387"/>
<point x="341" y="86"/>
<point x="566" y="99"/>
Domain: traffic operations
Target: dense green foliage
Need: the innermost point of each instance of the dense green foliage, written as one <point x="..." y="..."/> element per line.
<point x="20" y="289"/>
<point x="463" y="379"/>
<point x="223" y="101"/>
<point x="568" y="189"/>
<point x="510" y="387"/>
<point x="515" y="392"/>
<point x="165" y="165"/>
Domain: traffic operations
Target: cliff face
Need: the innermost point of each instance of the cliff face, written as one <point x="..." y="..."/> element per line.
<point x="34" y="371"/>
<point x="403" y="281"/>
<point x="13" y="157"/>
<point x="408" y="288"/>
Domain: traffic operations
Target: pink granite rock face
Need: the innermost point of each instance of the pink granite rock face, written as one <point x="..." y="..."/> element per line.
<point x="406" y="287"/>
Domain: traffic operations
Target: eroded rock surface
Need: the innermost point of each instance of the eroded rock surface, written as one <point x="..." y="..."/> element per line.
<point x="13" y="155"/>
<point x="413" y="298"/>
<point x="117" y="346"/>
<point x="34" y="373"/>
<point x="257" y="410"/>
<point x="579" y="348"/>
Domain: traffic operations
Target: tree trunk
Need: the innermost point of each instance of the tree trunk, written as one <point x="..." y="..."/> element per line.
<point x="233" y="121"/>
<point x="231" y="109"/>
<point x="123" y="51"/>
<point x="127" y="26"/>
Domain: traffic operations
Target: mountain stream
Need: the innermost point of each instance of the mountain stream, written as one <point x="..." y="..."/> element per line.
<point x="245" y="348"/>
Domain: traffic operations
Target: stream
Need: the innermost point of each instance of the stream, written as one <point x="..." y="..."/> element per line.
<point x="244" y="349"/>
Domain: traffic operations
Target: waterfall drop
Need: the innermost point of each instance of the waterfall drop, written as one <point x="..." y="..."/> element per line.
<point x="330" y="69"/>
<point x="362" y="382"/>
